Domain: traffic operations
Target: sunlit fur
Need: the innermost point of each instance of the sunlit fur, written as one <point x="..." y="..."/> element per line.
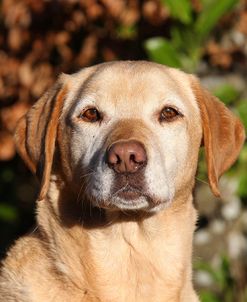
<point x="92" y="242"/>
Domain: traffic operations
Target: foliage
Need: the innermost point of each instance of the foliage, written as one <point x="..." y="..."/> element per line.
<point x="17" y="193"/>
<point x="227" y="93"/>
<point x="184" y="47"/>
<point x="222" y="280"/>
<point x="172" y="32"/>
<point x="225" y="288"/>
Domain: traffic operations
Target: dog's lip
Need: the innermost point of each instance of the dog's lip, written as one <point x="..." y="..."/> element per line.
<point x="129" y="193"/>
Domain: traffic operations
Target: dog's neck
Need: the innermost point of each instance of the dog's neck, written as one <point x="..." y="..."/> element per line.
<point x="142" y="250"/>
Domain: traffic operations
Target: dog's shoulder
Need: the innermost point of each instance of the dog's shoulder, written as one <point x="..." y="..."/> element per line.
<point x="28" y="274"/>
<point x="24" y="261"/>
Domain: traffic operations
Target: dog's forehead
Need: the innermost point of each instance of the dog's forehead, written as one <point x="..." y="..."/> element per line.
<point x="136" y="84"/>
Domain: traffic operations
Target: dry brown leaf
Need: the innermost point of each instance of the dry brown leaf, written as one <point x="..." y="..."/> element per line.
<point x="7" y="146"/>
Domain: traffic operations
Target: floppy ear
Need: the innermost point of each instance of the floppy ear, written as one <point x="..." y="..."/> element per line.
<point x="223" y="134"/>
<point x="36" y="132"/>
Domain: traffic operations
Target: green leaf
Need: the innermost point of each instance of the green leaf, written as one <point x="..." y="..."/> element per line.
<point x="126" y="32"/>
<point x="183" y="39"/>
<point x="242" y="187"/>
<point x="7" y="175"/>
<point x="242" y="110"/>
<point x="243" y="157"/>
<point x="180" y="9"/>
<point x="211" y="14"/>
<point x="219" y="275"/>
<point x="8" y="213"/>
<point x="208" y="297"/>
<point x="162" y="51"/>
<point x="227" y="93"/>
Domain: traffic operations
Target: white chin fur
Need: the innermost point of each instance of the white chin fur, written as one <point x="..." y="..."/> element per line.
<point x="140" y="204"/>
<point x="101" y="191"/>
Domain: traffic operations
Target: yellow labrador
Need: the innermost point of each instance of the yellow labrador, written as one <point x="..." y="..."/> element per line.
<point x="115" y="147"/>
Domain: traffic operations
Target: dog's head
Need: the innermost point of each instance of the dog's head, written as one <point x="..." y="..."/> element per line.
<point x="127" y="134"/>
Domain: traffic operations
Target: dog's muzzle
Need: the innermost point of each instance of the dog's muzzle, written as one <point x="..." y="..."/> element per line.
<point x="127" y="158"/>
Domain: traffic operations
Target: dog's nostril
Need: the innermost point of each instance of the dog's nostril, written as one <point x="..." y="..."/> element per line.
<point x="135" y="159"/>
<point x="113" y="158"/>
<point x="126" y="156"/>
<point x="118" y="160"/>
<point x="132" y="158"/>
<point x="139" y="157"/>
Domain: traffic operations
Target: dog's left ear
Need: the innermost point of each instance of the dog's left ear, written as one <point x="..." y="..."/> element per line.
<point x="36" y="132"/>
<point x="223" y="134"/>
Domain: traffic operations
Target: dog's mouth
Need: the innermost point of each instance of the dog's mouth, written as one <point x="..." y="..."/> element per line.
<point x="128" y="193"/>
<point x="131" y="197"/>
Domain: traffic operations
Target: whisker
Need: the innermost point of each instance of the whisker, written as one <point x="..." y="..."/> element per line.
<point x="121" y="189"/>
<point x="80" y="192"/>
<point x="85" y="183"/>
<point x="34" y="230"/>
<point x="202" y="181"/>
<point x="87" y="174"/>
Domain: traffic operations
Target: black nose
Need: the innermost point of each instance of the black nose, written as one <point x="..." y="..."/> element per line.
<point x="126" y="156"/>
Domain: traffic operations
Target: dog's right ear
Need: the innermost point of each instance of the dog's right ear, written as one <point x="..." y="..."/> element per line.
<point x="36" y="133"/>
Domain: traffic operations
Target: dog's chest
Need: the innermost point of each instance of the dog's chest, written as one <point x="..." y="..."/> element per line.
<point x="132" y="266"/>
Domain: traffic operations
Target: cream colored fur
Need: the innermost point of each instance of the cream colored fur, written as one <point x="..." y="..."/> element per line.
<point x="90" y="244"/>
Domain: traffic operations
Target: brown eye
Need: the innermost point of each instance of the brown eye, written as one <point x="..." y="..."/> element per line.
<point x="90" y="115"/>
<point x="169" y="114"/>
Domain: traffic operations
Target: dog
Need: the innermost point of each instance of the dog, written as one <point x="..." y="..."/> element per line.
<point x="115" y="147"/>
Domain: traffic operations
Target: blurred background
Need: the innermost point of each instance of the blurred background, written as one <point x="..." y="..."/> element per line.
<point x="40" y="39"/>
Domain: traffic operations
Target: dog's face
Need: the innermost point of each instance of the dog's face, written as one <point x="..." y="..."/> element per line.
<point x="128" y="134"/>
<point x="132" y="135"/>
